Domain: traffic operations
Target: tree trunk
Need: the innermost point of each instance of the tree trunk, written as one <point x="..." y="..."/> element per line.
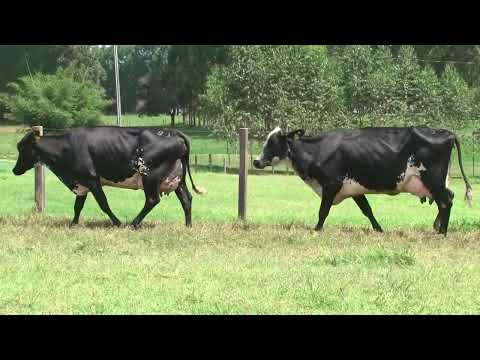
<point x="172" y="117"/>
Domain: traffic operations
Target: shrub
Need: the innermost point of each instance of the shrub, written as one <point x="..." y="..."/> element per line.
<point x="55" y="101"/>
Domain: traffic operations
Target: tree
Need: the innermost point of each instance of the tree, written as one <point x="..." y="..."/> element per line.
<point x="135" y="62"/>
<point x="263" y="86"/>
<point x="55" y="100"/>
<point x="457" y="99"/>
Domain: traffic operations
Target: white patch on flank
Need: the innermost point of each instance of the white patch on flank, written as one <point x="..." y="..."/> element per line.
<point x="134" y="182"/>
<point x="274" y="131"/>
<point x="141" y="167"/>
<point x="410" y="181"/>
<point x="351" y="188"/>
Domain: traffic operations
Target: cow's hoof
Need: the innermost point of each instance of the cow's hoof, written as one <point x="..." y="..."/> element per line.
<point x="73" y="224"/>
<point x="117" y="223"/>
<point x="318" y="229"/>
<point x="379" y="230"/>
<point x="136" y="226"/>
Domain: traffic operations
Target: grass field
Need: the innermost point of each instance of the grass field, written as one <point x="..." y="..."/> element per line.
<point x="273" y="264"/>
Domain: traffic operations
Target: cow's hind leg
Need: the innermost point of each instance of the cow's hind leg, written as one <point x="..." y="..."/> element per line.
<point x="99" y="195"/>
<point x="436" y="224"/>
<point x="152" y="198"/>
<point x="186" y="200"/>
<point x="363" y="204"/>
<point x="79" y="202"/>
<point x="443" y="197"/>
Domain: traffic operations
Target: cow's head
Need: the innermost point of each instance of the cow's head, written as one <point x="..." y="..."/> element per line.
<point x="27" y="155"/>
<point x="275" y="148"/>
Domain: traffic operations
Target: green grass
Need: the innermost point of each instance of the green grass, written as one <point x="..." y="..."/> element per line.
<point x="272" y="199"/>
<point x="47" y="268"/>
<point x="273" y="264"/>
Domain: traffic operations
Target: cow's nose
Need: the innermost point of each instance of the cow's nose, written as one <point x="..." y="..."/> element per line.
<point x="256" y="163"/>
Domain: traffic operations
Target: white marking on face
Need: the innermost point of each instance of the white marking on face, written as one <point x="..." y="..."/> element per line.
<point x="275" y="161"/>
<point x="274" y="131"/>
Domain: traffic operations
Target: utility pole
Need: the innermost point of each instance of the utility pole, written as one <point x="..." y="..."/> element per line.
<point x="117" y="85"/>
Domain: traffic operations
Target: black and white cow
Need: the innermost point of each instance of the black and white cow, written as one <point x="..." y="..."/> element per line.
<point x="351" y="163"/>
<point x="86" y="159"/>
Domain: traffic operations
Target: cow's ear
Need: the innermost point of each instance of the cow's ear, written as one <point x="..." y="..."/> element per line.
<point x="299" y="132"/>
<point x="36" y="135"/>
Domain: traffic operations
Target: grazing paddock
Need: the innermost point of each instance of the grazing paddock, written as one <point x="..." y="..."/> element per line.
<point x="274" y="264"/>
<point x="47" y="268"/>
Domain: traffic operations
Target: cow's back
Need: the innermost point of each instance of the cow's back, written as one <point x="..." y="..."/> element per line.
<point x="111" y="152"/>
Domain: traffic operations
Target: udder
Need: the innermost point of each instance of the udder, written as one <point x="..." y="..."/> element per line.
<point x="415" y="186"/>
<point x="171" y="182"/>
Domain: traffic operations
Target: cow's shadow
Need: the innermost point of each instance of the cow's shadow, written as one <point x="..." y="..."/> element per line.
<point x="105" y="224"/>
<point x="58" y="222"/>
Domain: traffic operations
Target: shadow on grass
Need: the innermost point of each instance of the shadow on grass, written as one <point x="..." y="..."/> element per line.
<point x="342" y="230"/>
<point x="56" y="222"/>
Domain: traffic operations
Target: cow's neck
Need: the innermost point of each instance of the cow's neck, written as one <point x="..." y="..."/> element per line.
<point x="49" y="149"/>
<point x="297" y="155"/>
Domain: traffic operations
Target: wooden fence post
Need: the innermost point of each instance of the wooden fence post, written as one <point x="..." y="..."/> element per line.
<point x="210" y="162"/>
<point x="39" y="178"/>
<point x="196" y="163"/>
<point x="224" y="165"/>
<point x="243" y="175"/>
<point x="473" y="154"/>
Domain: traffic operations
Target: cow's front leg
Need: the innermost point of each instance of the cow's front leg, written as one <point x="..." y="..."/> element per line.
<point x="99" y="195"/>
<point x="329" y="193"/>
<point x="79" y="202"/>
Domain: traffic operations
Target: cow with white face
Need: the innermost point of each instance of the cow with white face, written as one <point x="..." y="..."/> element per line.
<point x="351" y="163"/>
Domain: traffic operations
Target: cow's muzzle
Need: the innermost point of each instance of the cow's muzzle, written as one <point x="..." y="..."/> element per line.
<point x="259" y="164"/>
<point x="17" y="172"/>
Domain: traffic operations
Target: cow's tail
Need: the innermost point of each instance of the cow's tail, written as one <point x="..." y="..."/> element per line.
<point x="198" y="190"/>
<point x="469" y="191"/>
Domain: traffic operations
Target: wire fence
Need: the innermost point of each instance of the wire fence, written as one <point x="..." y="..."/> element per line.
<point x="229" y="163"/>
